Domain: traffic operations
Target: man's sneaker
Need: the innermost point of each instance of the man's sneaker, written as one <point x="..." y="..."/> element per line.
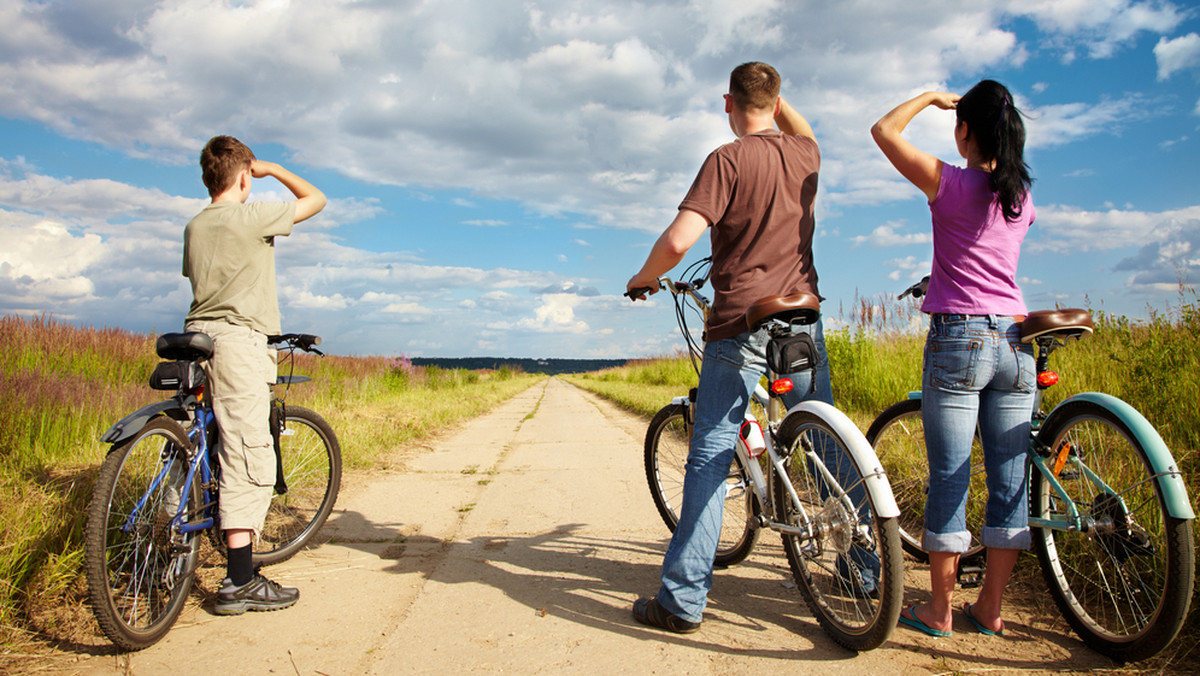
<point x="649" y="612"/>
<point x="257" y="594"/>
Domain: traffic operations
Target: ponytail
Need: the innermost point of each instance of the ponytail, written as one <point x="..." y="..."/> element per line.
<point x="999" y="134"/>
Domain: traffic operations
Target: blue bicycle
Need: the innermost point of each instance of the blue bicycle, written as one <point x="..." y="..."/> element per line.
<point x="157" y="492"/>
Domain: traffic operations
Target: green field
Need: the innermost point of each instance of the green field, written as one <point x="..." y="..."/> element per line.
<point x="62" y="386"/>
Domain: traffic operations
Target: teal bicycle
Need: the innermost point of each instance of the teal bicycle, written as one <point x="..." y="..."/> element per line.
<point x="1108" y="508"/>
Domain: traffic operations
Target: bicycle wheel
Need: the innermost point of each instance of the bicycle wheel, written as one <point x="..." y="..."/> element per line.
<point x="312" y="467"/>
<point x="1125" y="584"/>
<point x="138" y="565"/>
<point x="850" y="567"/>
<point x="667" y="441"/>
<point x="898" y="437"/>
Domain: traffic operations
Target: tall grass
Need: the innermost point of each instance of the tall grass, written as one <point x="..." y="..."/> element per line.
<point x="62" y="386"/>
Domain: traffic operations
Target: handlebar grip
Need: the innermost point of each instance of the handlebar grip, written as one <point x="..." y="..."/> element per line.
<point x="634" y="294"/>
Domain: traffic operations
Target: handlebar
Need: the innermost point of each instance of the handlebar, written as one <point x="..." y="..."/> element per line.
<point x="916" y="290"/>
<point x="634" y="294"/>
<point x="304" y="341"/>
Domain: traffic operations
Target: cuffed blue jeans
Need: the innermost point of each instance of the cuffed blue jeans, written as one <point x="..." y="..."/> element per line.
<point x="728" y="375"/>
<point x="977" y="371"/>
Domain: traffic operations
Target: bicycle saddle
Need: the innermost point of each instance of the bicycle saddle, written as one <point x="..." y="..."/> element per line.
<point x="803" y="308"/>
<point x="186" y="346"/>
<point x="1060" y="324"/>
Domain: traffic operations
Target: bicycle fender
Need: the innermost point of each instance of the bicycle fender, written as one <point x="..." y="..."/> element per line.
<point x="1162" y="463"/>
<point x="129" y="425"/>
<point x="864" y="455"/>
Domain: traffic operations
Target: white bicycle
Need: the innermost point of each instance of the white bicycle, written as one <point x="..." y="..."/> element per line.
<point x="810" y="475"/>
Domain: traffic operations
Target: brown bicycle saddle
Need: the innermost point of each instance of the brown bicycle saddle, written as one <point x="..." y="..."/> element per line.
<point x="801" y="307"/>
<point x="1062" y="324"/>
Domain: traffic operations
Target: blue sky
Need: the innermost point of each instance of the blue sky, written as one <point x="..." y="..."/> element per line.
<point x="497" y="170"/>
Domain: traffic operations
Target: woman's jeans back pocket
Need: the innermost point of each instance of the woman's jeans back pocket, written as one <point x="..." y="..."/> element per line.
<point x="953" y="354"/>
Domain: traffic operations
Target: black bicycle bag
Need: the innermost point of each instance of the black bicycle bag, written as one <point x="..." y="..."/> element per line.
<point x="177" y="375"/>
<point x="793" y="354"/>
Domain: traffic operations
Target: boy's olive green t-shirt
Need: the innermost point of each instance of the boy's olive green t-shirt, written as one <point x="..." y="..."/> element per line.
<point x="229" y="257"/>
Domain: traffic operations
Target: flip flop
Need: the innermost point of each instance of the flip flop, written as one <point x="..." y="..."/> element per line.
<point x="966" y="609"/>
<point x="915" y="622"/>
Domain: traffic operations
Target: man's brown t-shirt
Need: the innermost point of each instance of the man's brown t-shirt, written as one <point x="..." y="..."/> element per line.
<point x="757" y="192"/>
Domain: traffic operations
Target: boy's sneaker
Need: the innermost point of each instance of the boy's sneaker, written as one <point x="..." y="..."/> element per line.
<point x="257" y="594"/>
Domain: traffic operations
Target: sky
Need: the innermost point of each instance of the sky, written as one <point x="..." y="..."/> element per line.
<point x="497" y="170"/>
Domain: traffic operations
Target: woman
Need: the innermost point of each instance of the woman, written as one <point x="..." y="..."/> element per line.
<point x="976" y="369"/>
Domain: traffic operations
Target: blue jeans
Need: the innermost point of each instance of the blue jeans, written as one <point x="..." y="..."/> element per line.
<point x="730" y="371"/>
<point x="976" y="371"/>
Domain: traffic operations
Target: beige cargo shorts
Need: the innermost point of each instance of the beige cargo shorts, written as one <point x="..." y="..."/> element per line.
<point x="239" y="376"/>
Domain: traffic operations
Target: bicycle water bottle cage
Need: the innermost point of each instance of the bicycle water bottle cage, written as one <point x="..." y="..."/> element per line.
<point x="798" y="308"/>
<point x="184" y="346"/>
<point x="1058" y="325"/>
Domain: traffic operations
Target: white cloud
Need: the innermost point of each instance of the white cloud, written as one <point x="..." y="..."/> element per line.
<point x="1066" y="229"/>
<point x="890" y="234"/>
<point x="604" y="111"/>
<point x="1177" y="54"/>
<point x="1101" y="27"/>
<point x="1059" y="124"/>
<point x="556" y="314"/>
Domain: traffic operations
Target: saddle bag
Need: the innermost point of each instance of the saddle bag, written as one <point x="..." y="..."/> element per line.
<point x="177" y="376"/>
<point x="793" y="354"/>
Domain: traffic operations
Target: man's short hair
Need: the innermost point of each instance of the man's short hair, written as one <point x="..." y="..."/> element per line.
<point x="754" y="85"/>
<point x="221" y="160"/>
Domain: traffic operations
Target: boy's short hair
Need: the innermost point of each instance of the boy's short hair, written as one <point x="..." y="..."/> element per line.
<point x="754" y="85"/>
<point x="221" y="160"/>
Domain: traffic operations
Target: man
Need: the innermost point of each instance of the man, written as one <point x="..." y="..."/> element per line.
<point x="757" y="195"/>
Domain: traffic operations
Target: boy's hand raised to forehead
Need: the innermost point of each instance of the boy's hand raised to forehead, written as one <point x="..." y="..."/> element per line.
<point x="260" y="169"/>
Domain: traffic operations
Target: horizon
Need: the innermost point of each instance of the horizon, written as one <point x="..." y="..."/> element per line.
<point x="497" y="170"/>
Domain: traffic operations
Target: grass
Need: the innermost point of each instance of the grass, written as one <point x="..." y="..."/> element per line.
<point x="61" y="387"/>
<point x="1153" y="364"/>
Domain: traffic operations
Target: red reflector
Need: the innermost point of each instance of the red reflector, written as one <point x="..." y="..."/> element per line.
<point x="781" y="386"/>
<point x="1047" y="378"/>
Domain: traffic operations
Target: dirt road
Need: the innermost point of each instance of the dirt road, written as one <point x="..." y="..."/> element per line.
<point x="518" y="544"/>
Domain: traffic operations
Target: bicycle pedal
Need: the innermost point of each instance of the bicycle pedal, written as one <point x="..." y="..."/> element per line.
<point x="970" y="577"/>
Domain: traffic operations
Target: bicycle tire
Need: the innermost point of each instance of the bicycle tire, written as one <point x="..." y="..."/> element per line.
<point x="1125" y="588"/>
<point x="139" y="578"/>
<point x="666" y="450"/>
<point x="312" y="467"/>
<point x="830" y="567"/>
<point x="898" y="437"/>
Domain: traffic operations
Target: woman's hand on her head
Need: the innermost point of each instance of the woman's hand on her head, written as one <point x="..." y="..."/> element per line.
<point x="945" y="100"/>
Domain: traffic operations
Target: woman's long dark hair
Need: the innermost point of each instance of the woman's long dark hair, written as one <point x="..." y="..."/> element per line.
<point x="999" y="133"/>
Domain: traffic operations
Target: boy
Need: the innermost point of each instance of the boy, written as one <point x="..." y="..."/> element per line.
<point x="229" y="257"/>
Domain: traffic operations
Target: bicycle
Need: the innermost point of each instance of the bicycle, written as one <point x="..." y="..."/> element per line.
<point x="808" y="475"/>
<point x="157" y="491"/>
<point x="1108" y="509"/>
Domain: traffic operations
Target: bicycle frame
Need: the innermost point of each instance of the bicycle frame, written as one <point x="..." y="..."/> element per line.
<point x="764" y="487"/>
<point x="197" y="463"/>
<point x="189" y="406"/>
<point x="1164" y="471"/>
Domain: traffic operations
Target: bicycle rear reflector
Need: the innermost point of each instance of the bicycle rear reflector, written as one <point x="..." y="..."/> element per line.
<point x="782" y="386"/>
<point x="1047" y="379"/>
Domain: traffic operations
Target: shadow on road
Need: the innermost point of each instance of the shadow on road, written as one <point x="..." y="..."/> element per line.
<point x="592" y="579"/>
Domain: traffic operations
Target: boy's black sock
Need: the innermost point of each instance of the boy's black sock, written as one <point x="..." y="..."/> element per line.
<point x="241" y="565"/>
